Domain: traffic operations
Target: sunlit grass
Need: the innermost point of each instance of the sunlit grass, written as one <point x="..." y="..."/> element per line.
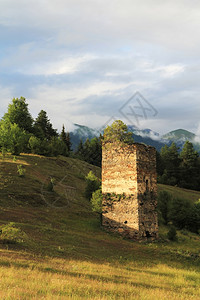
<point x="58" y="278"/>
<point x="179" y="192"/>
<point x="67" y="255"/>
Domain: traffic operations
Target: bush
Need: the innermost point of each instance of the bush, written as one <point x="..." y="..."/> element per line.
<point x="185" y="214"/>
<point x="164" y="202"/>
<point x="179" y="213"/>
<point x="92" y="184"/>
<point x="172" y="181"/>
<point x="194" y="218"/>
<point x="21" y="171"/>
<point x="57" y="147"/>
<point x="10" y="234"/>
<point x="12" y="138"/>
<point x="172" y="234"/>
<point x="50" y="185"/>
<point x="96" y="201"/>
<point x="35" y="145"/>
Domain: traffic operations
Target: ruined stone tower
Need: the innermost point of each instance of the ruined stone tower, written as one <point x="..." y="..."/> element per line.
<point x="129" y="187"/>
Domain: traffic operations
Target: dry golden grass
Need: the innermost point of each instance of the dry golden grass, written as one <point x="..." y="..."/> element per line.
<point x="69" y="256"/>
<point x="74" y="279"/>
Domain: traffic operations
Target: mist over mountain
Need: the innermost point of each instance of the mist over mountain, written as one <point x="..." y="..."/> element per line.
<point x="146" y="136"/>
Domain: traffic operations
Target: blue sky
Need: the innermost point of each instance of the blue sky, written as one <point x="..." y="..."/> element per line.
<point x="82" y="60"/>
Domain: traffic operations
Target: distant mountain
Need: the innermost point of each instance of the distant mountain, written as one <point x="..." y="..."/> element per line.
<point x="146" y="136"/>
<point x="179" y="135"/>
<point x="83" y="133"/>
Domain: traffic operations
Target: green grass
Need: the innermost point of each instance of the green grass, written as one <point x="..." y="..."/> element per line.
<point x="67" y="255"/>
<point x="180" y="192"/>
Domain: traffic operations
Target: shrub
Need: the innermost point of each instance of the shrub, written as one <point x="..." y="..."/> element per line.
<point x="185" y="214"/>
<point x="4" y="152"/>
<point x="164" y="202"/>
<point x="194" y="218"/>
<point x="50" y="185"/>
<point x="10" y="234"/>
<point x="12" y="138"/>
<point x="179" y="212"/>
<point x="21" y="171"/>
<point x="172" y="234"/>
<point x="38" y="146"/>
<point x="57" y="147"/>
<point x="96" y="201"/>
<point x="92" y="184"/>
<point x="34" y="145"/>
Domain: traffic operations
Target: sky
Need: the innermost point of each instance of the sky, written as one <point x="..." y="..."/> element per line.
<point x="93" y="61"/>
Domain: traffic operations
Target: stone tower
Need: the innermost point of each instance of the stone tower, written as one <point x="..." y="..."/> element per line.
<point x="129" y="187"/>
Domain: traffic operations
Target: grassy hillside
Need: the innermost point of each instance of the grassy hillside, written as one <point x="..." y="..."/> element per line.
<point x="180" y="192"/>
<point x="66" y="254"/>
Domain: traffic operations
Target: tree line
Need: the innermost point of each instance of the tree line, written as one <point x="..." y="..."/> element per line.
<point x="180" y="168"/>
<point x="19" y="132"/>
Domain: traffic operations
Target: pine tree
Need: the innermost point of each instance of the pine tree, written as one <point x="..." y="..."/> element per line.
<point x="118" y="131"/>
<point x="189" y="155"/>
<point x="68" y="142"/>
<point x="87" y="151"/>
<point x="63" y="135"/>
<point x="80" y="150"/>
<point x="18" y="113"/>
<point x="43" y="128"/>
<point x="170" y="161"/>
<point x="96" y="151"/>
<point x="174" y="163"/>
<point x="189" y="166"/>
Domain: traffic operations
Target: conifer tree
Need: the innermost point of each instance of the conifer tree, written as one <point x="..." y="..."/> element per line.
<point x="118" y="131"/>
<point x="18" y="113"/>
<point x="170" y="161"/>
<point x="189" y="167"/>
<point x="68" y="142"/>
<point x="63" y="135"/>
<point x="43" y="128"/>
<point x="80" y="150"/>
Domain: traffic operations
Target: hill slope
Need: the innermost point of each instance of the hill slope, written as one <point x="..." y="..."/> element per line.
<point x="66" y="254"/>
<point x="67" y="174"/>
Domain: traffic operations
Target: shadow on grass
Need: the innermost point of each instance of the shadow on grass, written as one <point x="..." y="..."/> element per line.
<point x="113" y="279"/>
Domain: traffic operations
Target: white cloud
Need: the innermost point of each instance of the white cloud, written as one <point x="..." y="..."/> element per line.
<point x="166" y="71"/>
<point x="6" y="95"/>
<point x="170" y="23"/>
<point x="66" y="65"/>
<point x="197" y="137"/>
<point x="72" y="57"/>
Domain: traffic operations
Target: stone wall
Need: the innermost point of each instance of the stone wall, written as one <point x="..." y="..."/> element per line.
<point x="129" y="190"/>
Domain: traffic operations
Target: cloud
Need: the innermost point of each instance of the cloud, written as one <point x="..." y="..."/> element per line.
<point x="197" y="133"/>
<point x="170" y="24"/>
<point x="5" y="94"/>
<point x="81" y="60"/>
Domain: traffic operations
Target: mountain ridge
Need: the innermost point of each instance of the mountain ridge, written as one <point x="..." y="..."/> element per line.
<point x="147" y="136"/>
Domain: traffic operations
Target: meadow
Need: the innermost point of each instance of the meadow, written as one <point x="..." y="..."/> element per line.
<point x="64" y="252"/>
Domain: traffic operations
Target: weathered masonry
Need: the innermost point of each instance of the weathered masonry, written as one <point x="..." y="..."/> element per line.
<point x="129" y="187"/>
